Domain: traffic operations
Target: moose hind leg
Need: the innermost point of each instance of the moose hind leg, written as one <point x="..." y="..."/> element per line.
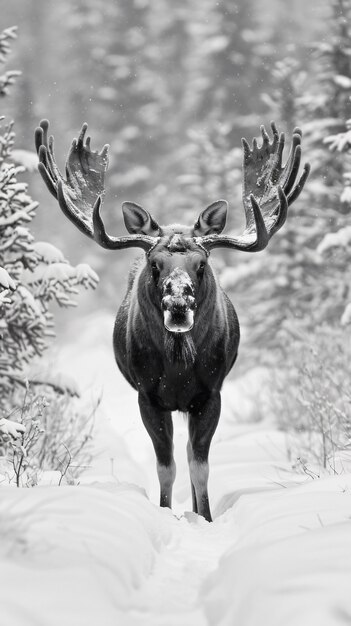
<point x="189" y="450"/>
<point x="203" y="421"/>
<point x="159" y="425"/>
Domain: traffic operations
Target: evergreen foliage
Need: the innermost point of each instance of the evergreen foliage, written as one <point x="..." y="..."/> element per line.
<point x="298" y="283"/>
<point x="8" y="78"/>
<point x="311" y="398"/>
<point x="39" y="275"/>
<point x="33" y="275"/>
<point x="173" y="87"/>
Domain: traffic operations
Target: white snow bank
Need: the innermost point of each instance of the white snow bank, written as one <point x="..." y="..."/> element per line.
<point x="291" y="564"/>
<point x="75" y="555"/>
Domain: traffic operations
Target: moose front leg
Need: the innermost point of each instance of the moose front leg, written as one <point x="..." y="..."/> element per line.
<point x="203" y="420"/>
<point x="159" y="425"/>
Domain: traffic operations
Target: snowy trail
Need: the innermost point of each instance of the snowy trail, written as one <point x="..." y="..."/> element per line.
<point x="278" y="551"/>
<point x="170" y="596"/>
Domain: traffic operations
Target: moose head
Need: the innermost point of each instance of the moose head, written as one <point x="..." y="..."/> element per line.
<point x="176" y="335"/>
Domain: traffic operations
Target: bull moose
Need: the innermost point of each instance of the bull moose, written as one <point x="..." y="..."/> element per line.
<point x="176" y="334"/>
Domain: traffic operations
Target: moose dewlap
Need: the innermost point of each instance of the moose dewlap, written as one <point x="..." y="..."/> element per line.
<point x="176" y="334"/>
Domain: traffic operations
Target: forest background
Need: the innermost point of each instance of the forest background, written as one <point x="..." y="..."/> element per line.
<point x="172" y="87"/>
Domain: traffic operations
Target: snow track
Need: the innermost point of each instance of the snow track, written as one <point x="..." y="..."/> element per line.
<point x="277" y="554"/>
<point x="170" y="596"/>
<point x="105" y="555"/>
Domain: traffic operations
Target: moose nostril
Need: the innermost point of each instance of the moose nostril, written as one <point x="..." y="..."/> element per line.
<point x="187" y="290"/>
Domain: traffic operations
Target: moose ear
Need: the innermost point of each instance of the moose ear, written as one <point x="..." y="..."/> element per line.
<point x="212" y="219"/>
<point x="138" y="220"/>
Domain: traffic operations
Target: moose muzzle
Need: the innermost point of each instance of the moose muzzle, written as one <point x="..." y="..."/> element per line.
<point x="178" y="302"/>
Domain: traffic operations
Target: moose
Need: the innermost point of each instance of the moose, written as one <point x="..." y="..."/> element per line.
<point x="176" y="334"/>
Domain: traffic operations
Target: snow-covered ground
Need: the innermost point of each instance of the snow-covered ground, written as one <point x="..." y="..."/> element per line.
<point x="277" y="554"/>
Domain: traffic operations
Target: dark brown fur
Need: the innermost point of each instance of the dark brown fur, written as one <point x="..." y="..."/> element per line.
<point x="180" y="349"/>
<point x="177" y="371"/>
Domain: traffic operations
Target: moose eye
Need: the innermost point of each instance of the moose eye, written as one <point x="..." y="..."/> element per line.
<point x="155" y="270"/>
<point x="200" y="269"/>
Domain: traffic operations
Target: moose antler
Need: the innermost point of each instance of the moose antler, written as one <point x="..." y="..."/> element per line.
<point x="268" y="190"/>
<point x="80" y="195"/>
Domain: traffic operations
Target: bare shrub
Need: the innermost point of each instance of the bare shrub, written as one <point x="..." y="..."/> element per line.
<point x="57" y="437"/>
<point x="312" y="399"/>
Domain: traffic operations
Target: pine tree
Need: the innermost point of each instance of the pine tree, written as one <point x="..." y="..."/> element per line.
<point x="33" y="274"/>
<point x="292" y="287"/>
